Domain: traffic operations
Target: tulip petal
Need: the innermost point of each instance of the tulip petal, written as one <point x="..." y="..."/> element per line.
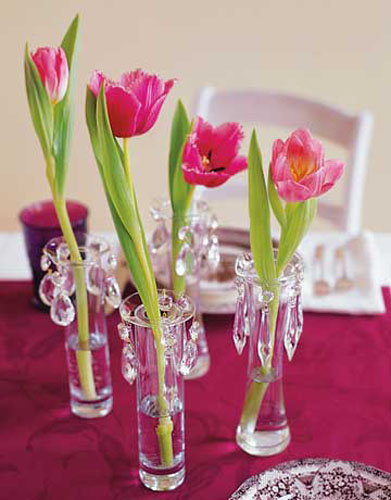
<point x="147" y="122"/>
<point x="292" y="191"/>
<point x="208" y="179"/>
<point x="278" y="148"/>
<point x="281" y="170"/>
<point x="151" y="92"/>
<point x="203" y="136"/>
<point x="238" y="164"/>
<point x="226" y="143"/>
<point x="53" y="69"/>
<point x="333" y="172"/>
<point x="96" y="81"/>
<point x="314" y="182"/>
<point x="123" y="109"/>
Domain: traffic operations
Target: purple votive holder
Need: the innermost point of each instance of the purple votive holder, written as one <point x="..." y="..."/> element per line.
<point x="40" y="224"/>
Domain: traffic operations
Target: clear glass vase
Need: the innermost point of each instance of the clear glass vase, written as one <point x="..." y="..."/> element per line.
<point x="269" y="318"/>
<point x="76" y="293"/>
<point x="197" y="251"/>
<point x="157" y="356"/>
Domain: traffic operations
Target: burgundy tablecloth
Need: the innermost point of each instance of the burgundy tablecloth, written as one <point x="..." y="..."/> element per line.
<point x="338" y="398"/>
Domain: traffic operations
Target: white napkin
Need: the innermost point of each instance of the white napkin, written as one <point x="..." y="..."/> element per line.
<point x="362" y="260"/>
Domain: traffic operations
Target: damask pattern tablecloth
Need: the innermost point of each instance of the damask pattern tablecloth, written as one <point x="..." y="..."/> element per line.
<point x="337" y="393"/>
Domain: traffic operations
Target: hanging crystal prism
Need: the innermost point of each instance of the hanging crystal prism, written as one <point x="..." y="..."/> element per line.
<point x="112" y="291"/>
<point x="239" y="330"/>
<point x="48" y="289"/>
<point x="95" y="278"/>
<point x="129" y="363"/>
<point x="112" y="262"/>
<point x="68" y="282"/>
<point x="185" y="260"/>
<point x="264" y="345"/>
<point x="294" y="325"/>
<point x="62" y="311"/>
<point x="45" y="262"/>
<point x="213" y="255"/>
<point x="159" y="237"/>
<point x="189" y="357"/>
<point x="248" y="309"/>
<point x="124" y="332"/>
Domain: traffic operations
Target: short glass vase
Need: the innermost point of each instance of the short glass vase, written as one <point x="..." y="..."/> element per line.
<point x="268" y="317"/>
<point x="198" y="251"/>
<point x="92" y="282"/>
<point x="156" y="356"/>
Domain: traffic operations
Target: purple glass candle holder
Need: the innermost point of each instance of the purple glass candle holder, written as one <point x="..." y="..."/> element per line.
<point x="40" y="224"/>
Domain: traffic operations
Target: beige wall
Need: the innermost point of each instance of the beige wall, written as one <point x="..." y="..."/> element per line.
<point x="337" y="50"/>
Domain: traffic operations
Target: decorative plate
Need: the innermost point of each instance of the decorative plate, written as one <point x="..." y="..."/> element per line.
<point x="317" y="479"/>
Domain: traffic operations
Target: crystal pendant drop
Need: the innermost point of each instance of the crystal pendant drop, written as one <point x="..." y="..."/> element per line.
<point x="62" y="311"/>
<point x="112" y="261"/>
<point x="95" y="278"/>
<point x="68" y="285"/>
<point x="168" y="340"/>
<point x="188" y="358"/>
<point x="239" y="336"/>
<point x="195" y="331"/>
<point x="62" y="253"/>
<point x="300" y="319"/>
<point x="185" y="260"/>
<point x="159" y="237"/>
<point x="129" y="363"/>
<point x="248" y="309"/>
<point x="58" y="279"/>
<point x="48" y="289"/>
<point x="124" y="332"/>
<point x="165" y="301"/>
<point x="45" y="262"/>
<point x="213" y="256"/>
<point x="293" y="330"/>
<point x="112" y="291"/>
<point x="264" y="345"/>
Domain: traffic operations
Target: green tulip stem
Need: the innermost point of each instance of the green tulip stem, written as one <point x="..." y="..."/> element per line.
<point x="257" y="390"/>
<point x="83" y="354"/>
<point x="165" y="426"/>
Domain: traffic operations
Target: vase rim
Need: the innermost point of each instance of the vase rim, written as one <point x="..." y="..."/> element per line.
<point x="245" y="269"/>
<point x="161" y="210"/>
<point x="91" y="246"/>
<point x="178" y="312"/>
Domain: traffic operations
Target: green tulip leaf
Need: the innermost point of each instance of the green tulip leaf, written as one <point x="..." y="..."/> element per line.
<point x="124" y="208"/>
<point x="64" y="110"/>
<point x="259" y="210"/>
<point x="180" y="190"/>
<point x="299" y="218"/>
<point x="275" y="201"/>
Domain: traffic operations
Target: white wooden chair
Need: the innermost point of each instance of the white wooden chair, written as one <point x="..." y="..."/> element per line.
<point x="351" y="131"/>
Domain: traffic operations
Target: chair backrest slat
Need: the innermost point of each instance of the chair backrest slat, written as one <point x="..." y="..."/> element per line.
<point x="351" y="131"/>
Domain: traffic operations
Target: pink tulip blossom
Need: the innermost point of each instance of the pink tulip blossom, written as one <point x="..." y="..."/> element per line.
<point x="52" y="66"/>
<point x="133" y="103"/>
<point x="299" y="170"/>
<point x="210" y="155"/>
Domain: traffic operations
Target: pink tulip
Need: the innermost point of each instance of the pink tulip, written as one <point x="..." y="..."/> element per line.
<point x="299" y="170"/>
<point x="133" y="103"/>
<point x="210" y="155"/>
<point x="53" y="69"/>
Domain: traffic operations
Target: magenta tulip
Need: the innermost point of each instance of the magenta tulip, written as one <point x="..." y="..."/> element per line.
<point x="299" y="170"/>
<point x="211" y="156"/>
<point x="133" y="103"/>
<point x="53" y="69"/>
